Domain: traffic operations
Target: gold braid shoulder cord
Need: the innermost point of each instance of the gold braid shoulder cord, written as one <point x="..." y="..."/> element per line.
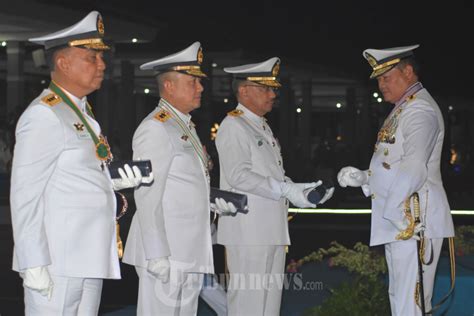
<point x="408" y="233"/>
<point x="117" y="226"/>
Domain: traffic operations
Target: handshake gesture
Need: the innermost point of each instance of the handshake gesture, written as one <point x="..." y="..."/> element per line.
<point x="352" y="177"/>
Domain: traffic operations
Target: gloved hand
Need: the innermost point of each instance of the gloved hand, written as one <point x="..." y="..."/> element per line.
<point x="222" y="207"/>
<point x="420" y="227"/>
<point x="38" y="279"/>
<point x="160" y="268"/>
<point x="327" y="195"/>
<point x="403" y="224"/>
<point x="129" y="178"/>
<point x="295" y="192"/>
<point x="353" y="177"/>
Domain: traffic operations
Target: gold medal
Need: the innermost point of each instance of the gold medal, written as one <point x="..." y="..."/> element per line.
<point x="102" y="149"/>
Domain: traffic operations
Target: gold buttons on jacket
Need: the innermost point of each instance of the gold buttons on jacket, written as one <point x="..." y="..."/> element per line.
<point x="372" y="196"/>
<point x="369" y="172"/>
<point x="386" y="165"/>
<point x="279" y="162"/>
<point x="385" y="151"/>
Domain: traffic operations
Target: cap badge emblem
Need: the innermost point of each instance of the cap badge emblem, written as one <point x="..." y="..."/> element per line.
<point x="100" y="25"/>
<point x="276" y="69"/>
<point x="200" y="56"/>
<point x="372" y="61"/>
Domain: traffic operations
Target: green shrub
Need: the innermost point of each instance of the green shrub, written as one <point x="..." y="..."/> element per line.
<point x="359" y="297"/>
<point x="464" y="241"/>
<point x="365" y="294"/>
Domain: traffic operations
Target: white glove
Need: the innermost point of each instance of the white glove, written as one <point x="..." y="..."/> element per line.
<point x="38" y="279"/>
<point x="160" y="268"/>
<point x="222" y="207"/>
<point x="420" y="227"/>
<point x="402" y="225"/>
<point x="295" y="192"/>
<point x="418" y="231"/>
<point x="130" y="178"/>
<point x="353" y="177"/>
<point x="327" y="195"/>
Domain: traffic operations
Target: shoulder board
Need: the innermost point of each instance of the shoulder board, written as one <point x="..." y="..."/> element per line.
<point x="411" y="98"/>
<point x="51" y="99"/>
<point x="235" y="113"/>
<point x="162" y="116"/>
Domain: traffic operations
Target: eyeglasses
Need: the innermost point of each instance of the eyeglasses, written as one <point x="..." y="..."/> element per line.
<point x="266" y="88"/>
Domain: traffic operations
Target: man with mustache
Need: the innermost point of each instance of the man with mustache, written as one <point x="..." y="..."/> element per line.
<point x="169" y="242"/>
<point x="62" y="197"/>
<point x="251" y="163"/>
<point x="404" y="178"/>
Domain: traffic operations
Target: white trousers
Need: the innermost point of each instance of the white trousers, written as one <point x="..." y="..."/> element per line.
<point x="174" y="298"/>
<point x="214" y="295"/>
<point x="256" y="279"/>
<point x="70" y="297"/>
<point x="402" y="264"/>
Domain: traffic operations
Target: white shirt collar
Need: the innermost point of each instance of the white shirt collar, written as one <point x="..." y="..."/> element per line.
<point x="81" y="103"/>
<point x="259" y="120"/>
<point x="186" y="118"/>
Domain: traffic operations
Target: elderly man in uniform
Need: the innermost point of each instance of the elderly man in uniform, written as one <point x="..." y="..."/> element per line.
<point x="404" y="179"/>
<point x="169" y="242"/>
<point x="62" y="197"/>
<point x="251" y="163"/>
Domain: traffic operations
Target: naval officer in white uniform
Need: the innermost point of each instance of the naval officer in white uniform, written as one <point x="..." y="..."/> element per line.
<point x="169" y="242"/>
<point x="406" y="160"/>
<point x="251" y="163"/>
<point x="62" y="197"/>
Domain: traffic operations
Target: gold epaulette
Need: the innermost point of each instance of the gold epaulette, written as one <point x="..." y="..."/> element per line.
<point x="235" y="112"/>
<point x="411" y="98"/>
<point x="162" y="116"/>
<point x="51" y="99"/>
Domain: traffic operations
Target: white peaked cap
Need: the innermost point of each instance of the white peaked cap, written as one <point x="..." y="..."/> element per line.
<point x="187" y="61"/>
<point x="264" y="73"/>
<point x="87" y="33"/>
<point x="383" y="60"/>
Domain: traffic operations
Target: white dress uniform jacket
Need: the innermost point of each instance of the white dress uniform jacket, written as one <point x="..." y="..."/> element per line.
<point x="172" y="217"/>
<point x="63" y="205"/>
<point x="251" y="163"/>
<point x="407" y="160"/>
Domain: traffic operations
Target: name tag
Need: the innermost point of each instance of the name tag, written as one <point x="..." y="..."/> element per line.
<point x="187" y="146"/>
<point x="83" y="135"/>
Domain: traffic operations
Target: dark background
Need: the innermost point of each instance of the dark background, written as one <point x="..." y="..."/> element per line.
<point x="333" y="33"/>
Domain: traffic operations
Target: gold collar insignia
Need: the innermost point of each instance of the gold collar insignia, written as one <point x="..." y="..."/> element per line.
<point x="51" y="99"/>
<point x="235" y="112"/>
<point x="162" y="116"/>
